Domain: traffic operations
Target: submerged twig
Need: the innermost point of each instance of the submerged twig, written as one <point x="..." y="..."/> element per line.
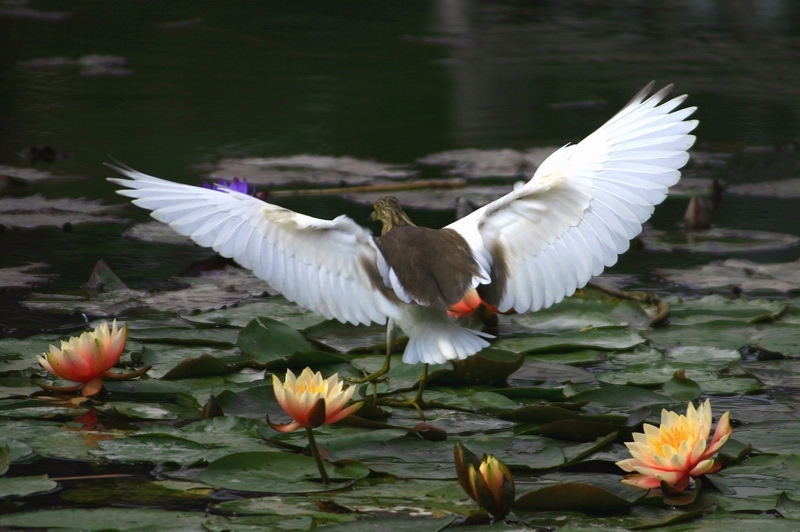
<point x="650" y="298"/>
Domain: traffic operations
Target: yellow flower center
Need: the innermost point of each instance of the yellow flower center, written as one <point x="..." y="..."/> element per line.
<point x="673" y="436"/>
<point x="320" y="389"/>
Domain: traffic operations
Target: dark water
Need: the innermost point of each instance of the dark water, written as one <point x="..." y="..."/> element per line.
<point x="191" y="82"/>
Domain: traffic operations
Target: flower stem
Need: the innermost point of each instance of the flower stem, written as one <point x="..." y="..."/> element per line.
<point x="317" y="458"/>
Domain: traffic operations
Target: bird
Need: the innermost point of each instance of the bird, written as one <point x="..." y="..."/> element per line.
<point x="522" y="252"/>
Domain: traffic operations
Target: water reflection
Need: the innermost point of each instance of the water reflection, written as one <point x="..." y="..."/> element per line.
<point x="528" y="73"/>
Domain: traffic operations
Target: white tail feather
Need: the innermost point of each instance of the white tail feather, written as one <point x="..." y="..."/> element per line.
<point x="435" y="338"/>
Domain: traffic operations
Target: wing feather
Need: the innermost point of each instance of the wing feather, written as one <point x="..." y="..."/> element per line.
<point x="582" y="206"/>
<point x="324" y="265"/>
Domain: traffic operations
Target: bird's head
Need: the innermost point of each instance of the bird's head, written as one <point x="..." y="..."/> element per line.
<point x="390" y="214"/>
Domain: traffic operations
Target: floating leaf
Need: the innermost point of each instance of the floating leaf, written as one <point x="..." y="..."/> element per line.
<point x="622" y="396"/>
<point x="317" y="170"/>
<point x="490" y="366"/>
<point x="580" y="497"/>
<point x="538" y="371"/>
<point x="681" y="388"/>
<point x="716" y="240"/>
<point x="22" y="276"/>
<point x="607" y="338"/>
<point x="741" y="274"/>
<point x="783" y="189"/>
<point x="474" y="164"/>
<point x="16" y="487"/>
<point x="275" y="472"/>
<point x="576" y="430"/>
<point x="202" y="366"/>
<point x="276" y="307"/>
<point x="106" y="519"/>
<point x="38" y="211"/>
<point x="265" y="340"/>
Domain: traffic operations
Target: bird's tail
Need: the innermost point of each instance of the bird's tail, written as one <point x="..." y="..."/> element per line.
<point x="434" y="338"/>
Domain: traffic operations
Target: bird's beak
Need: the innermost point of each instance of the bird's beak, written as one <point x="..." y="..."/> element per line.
<point x="373" y="216"/>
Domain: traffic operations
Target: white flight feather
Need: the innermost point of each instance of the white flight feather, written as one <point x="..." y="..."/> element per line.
<point x="583" y="205"/>
<point x="319" y="264"/>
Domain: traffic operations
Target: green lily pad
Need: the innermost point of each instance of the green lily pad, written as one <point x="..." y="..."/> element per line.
<point x="106" y="519"/>
<point x="202" y="366"/>
<point x="681" y="388"/>
<point x="622" y="396"/>
<point x="537" y="371"/>
<point x="717" y="307"/>
<point x="266" y="340"/>
<point x="276" y="307"/>
<point x="491" y="366"/>
<point x="580" y="497"/>
<point x="156" y="448"/>
<point x="607" y="338"/>
<point x="717" y="240"/>
<point x="16" y="487"/>
<point x="275" y="472"/>
<point x="743" y="274"/>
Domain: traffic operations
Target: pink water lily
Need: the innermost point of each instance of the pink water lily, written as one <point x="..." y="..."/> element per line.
<point x="676" y="451"/>
<point x="312" y="401"/>
<point x="87" y="358"/>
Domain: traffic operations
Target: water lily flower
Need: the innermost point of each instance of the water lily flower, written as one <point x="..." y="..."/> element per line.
<point x="670" y="455"/>
<point x="312" y="401"/>
<point x="487" y="481"/>
<point x="87" y="358"/>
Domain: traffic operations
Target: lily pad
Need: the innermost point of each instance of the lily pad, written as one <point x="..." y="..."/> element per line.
<point x="276" y="307"/>
<point x="38" y="211"/>
<point x="31" y="175"/>
<point x="275" y="472"/>
<point x="16" y="487"/>
<point x="475" y="164"/>
<point x="265" y="340"/>
<point x="205" y="293"/>
<point x="717" y="240"/>
<point x="580" y="497"/>
<point x="317" y="170"/>
<point x="22" y="276"/>
<point x="607" y="338"/>
<point x="741" y="274"/>
<point x="539" y="371"/>
<point x="685" y="311"/>
<point x="156" y="232"/>
<point x="784" y="188"/>
<point x="106" y="519"/>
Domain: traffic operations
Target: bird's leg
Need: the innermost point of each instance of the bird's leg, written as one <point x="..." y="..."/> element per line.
<point x="417" y="401"/>
<point x="392" y="332"/>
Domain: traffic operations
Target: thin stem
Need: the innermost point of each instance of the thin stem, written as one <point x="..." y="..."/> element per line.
<point x="317" y="458"/>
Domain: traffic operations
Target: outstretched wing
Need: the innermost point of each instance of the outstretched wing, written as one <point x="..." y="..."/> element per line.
<point x="329" y="266"/>
<point x="583" y="205"/>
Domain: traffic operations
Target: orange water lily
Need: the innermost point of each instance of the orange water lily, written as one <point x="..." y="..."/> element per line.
<point x="312" y="401"/>
<point x="670" y="455"/>
<point x="87" y="358"/>
<point x="487" y="481"/>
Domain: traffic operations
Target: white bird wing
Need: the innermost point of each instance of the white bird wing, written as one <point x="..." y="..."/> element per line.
<point x="583" y="205"/>
<point x="329" y="266"/>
